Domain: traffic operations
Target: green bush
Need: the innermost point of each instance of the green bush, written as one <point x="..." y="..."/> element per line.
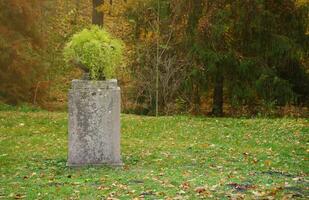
<point x="96" y="50"/>
<point x="274" y="90"/>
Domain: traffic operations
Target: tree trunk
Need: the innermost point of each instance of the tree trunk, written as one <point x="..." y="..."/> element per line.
<point x="97" y="16"/>
<point x="196" y="99"/>
<point x="217" y="108"/>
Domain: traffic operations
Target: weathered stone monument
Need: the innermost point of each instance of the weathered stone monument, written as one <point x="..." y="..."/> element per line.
<point x="94" y="123"/>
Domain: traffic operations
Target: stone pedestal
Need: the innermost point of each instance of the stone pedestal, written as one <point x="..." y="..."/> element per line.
<point x="94" y="123"/>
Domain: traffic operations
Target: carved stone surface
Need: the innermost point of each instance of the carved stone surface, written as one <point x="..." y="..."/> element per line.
<point x="94" y="123"/>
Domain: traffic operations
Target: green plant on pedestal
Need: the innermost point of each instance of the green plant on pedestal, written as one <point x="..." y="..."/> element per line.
<point x="95" y="51"/>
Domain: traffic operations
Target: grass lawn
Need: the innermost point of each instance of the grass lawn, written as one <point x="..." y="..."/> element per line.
<point x="179" y="157"/>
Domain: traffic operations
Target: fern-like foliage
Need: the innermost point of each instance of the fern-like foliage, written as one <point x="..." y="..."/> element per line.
<point x="96" y="49"/>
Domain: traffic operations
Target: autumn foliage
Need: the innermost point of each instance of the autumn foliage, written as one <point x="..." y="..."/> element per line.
<point x="21" y="66"/>
<point x="212" y="57"/>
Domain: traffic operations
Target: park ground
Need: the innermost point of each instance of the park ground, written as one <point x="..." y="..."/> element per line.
<point x="180" y="157"/>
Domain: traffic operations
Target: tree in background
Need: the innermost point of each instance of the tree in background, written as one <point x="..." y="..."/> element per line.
<point x="148" y="44"/>
<point x="222" y="53"/>
<point x="254" y="50"/>
<point x="21" y="67"/>
<point x="236" y="51"/>
<point x="97" y="14"/>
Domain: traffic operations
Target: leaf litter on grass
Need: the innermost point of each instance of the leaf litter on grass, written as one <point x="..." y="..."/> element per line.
<point x="166" y="158"/>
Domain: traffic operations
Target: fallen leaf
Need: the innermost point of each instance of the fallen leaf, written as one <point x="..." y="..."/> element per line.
<point x="19" y="196"/>
<point x="200" y="189"/>
<point x="185" y="186"/>
<point x="267" y="163"/>
<point x="241" y="187"/>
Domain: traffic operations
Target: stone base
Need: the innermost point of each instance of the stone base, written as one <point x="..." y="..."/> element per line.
<point x="95" y="165"/>
<point x="94" y="123"/>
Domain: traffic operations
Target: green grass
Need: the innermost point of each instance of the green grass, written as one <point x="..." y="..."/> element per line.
<point x="179" y="157"/>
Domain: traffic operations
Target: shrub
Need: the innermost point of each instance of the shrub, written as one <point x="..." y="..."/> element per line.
<point x="96" y="50"/>
<point x="274" y="90"/>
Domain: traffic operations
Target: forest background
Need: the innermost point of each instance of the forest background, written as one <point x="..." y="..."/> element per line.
<point x="232" y="57"/>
